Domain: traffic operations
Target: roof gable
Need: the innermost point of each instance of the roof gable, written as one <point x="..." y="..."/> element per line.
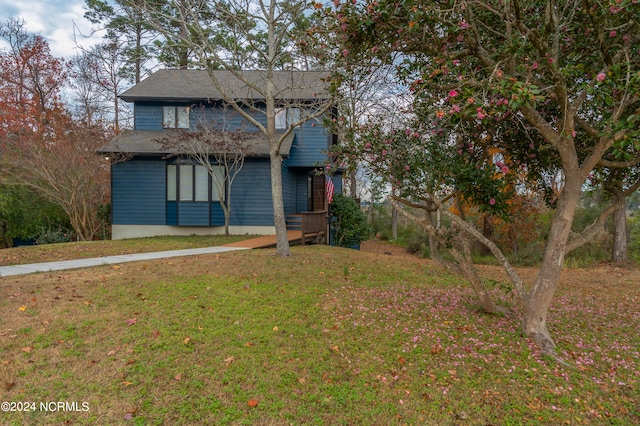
<point x="196" y="85"/>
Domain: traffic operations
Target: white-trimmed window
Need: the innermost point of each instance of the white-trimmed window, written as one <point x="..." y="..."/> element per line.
<point x="174" y="117"/>
<point x="192" y="182"/>
<point x="286" y="116"/>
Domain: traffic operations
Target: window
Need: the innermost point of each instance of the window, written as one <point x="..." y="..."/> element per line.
<point x="286" y="117"/>
<point x="185" y="187"/>
<point x="175" y="117"/>
<point x="191" y="182"/>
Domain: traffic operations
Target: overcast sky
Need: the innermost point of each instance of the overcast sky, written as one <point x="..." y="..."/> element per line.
<point x="52" y="19"/>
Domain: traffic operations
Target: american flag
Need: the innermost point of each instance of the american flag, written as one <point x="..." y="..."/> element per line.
<point x="329" y="187"/>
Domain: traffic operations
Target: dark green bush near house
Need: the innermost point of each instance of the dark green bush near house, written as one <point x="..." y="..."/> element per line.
<point x="23" y="214"/>
<point x="350" y="224"/>
<point x="104" y="216"/>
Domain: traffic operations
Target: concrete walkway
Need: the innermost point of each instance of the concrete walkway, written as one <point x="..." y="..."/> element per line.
<point x="251" y="243"/>
<point x="6" y="271"/>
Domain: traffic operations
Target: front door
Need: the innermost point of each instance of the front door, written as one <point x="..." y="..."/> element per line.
<point x="315" y="193"/>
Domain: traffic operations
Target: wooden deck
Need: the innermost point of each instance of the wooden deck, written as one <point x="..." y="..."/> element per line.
<point x="267" y="241"/>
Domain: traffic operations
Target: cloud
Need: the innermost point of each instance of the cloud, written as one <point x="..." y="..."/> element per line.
<point x="55" y="20"/>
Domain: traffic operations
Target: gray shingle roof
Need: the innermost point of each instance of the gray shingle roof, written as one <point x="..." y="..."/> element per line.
<point x="190" y="85"/>
<point x="156" y="142"/>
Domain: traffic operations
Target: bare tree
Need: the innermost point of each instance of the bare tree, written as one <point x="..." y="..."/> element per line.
<point x="42" y="147"/>
<point x="99" y="75"/>
<point x="219" y="147"/>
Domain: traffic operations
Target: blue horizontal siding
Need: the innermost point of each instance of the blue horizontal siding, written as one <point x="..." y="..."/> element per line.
<point x="190" y="215"/>
<point x="147" y="117"/>
<point x="302" y="203"/>
<point x="310" y="146"/>
<point x="172" y="213"/>
<point x="138" y="193"/>
<point x="288" y="189"/>
<point x="218" y="117"/>
<point x="251" y="203"/>
<point x="217" y="215"/>
<point x="193" y="214"/>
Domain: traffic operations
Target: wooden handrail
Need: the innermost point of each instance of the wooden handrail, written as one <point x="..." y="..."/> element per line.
<point x="314" y="224"/>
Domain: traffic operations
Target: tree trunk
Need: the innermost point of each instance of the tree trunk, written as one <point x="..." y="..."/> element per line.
<point x="394" y="223"/>
<point x="471" y="274"/>
<point x="279" y="220"/>
<point x="620" y="234"/>
<point x="225" y="199"/>
<point x="434" y="246"/>
<point x="353" y="184"/>
<point x="487" y="231"/>
<point x="538" y="301"/>
<point x="227" y="214"/>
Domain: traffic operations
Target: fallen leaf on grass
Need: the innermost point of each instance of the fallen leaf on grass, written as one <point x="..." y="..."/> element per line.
<point x="252" y="402"/>
<point x="131" y="321"/>
<point x="229" y="361"/>
<point x="156" y="333"/>
<point x="22" y="308"/>
<point x="186" y="340"/>
<point x="28" y="349"/>
<point x="9" y="385"/>
<point x="178" y="376"/>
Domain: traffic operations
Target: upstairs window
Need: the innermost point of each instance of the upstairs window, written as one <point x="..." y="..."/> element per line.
<point x="286" y="117"/>
<point x="175" y="117"/>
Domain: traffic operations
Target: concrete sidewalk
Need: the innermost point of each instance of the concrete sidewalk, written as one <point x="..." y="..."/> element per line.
<point x="6" y="271"/>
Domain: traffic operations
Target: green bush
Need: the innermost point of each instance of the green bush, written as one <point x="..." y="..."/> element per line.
<point x="53" y="236"/>
<point x="350" y="224"/>
<point x="23" y="214"/>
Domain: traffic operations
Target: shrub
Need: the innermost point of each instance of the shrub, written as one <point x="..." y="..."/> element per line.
<point x="53" y="236"/>
<point x="350" y="224"/>
<point x="23" y="214"/>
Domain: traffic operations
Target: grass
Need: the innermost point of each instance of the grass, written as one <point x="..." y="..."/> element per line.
<point x="327" y="336"/>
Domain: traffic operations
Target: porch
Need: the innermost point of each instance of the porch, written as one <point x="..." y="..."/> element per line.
<point x="303" y="228"/>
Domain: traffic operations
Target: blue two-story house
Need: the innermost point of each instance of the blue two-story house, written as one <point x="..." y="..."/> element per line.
<point x="158" y="191"/>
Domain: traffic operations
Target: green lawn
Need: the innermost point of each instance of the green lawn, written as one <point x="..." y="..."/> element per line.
<point x="327" y="336"/>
